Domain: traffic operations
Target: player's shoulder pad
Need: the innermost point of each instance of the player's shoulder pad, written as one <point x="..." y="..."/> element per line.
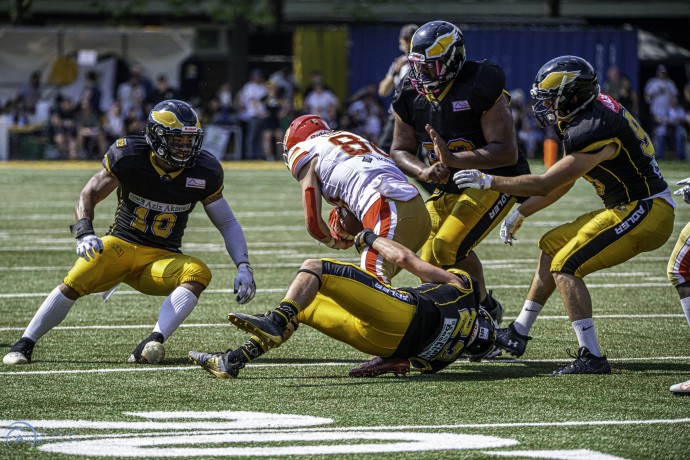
<point x="126" y="147"/>
<point x="298" y="158"/>
<point x="488" y="80"/>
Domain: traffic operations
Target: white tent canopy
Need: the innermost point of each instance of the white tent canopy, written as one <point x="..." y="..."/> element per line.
<point x="26" y="50"/>
<point x="653" y="48"/>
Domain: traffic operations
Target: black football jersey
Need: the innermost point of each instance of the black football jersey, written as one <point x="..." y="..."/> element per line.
<point x="153" y="207"/>
<point x="632" y="173"/>
<point x="457" y="119"/>
<point x="442" y="325"/>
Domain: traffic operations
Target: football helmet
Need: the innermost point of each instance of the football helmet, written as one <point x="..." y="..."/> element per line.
<point x="437" y="52"/>
<point x="173" y="131"/>
<point x="301" y="129"/>
<point x="483" y="337"/>
<point x="564" y="86"/>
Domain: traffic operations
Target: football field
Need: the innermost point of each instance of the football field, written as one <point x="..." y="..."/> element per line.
<point x="79" y="399"/>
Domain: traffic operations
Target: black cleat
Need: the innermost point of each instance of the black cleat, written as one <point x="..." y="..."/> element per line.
<point x="265" y="327"/>
<point x="511" y="340"/>
<point x="222" y="365"/>
<point x="20" y="353"/>
<point x="586" y="363"/>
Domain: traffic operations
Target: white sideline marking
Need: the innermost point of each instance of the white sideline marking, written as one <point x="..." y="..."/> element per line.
<point x="136" y="368"/>
<point x="148" y="326"/>
<point x="578" y="454"/>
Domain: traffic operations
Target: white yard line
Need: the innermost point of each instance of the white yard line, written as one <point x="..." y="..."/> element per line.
<point x="136" y="368"/>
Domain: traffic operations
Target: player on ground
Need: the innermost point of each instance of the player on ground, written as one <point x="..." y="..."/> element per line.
<point x="679" y="273"/>
<point x="430" y="325"/>
<point x="467" y="102"/>
<point x="605" y="144"/>
<point x="350" y="172"/>
<point x="159" y="178"/>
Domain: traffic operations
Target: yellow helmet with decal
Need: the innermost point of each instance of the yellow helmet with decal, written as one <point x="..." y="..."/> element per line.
<point x="564" y="86"/>
<point x="173" y="131"/>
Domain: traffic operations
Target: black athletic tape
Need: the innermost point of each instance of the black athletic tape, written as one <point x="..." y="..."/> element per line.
<point x="304" y="270"/>
<point x="82" y="227"/>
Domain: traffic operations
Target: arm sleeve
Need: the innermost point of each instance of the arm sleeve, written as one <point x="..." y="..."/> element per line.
<point x="223" y="218"/>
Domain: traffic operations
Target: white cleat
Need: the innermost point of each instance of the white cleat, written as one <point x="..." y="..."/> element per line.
<point x="681" y="389"/>
<point x="15" y="357"/>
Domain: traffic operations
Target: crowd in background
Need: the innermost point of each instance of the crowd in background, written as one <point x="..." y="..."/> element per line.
<point x="263" y="107"/>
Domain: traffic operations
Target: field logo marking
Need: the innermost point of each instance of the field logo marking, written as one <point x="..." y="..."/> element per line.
<point x="256" y="434"/>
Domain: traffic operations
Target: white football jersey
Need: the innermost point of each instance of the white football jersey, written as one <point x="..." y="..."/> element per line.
<point x="352" y="171"/>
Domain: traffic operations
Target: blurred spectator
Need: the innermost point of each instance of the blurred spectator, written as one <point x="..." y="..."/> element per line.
<point x="613" y="84"/>
<point x="315" y="79"/>
<point x="671" y="128"/>
<point x="114" y="125"/>
<point x="659" y="91"/>
<point x="131" y="94"/>
<point x="160" y="92"/>
<point x="367" y="114"/>
<point x="90" y="136"/>
<point x="220" y="107"/>
<point x="628" y="97"/>
<point x="530" y="134"/>
<point x="285" y="80"/>
<point x="31" y="93"/>
<point x="252" y="112"/>
<point x="92" y="92"/>
<point x="277" y="108"/>
<point x="134" y="122"/>
<point x="686" y="98"/>
<point x="396" y="72"/>
<point x="321" y="101"/>
<point x="62" y="128"/>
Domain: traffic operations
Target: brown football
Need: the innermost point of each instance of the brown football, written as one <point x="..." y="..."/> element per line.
<point x="349" y="221"/>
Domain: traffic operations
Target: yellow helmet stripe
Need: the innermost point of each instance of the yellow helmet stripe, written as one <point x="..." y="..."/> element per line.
<point x="440" y="46"/>
<point x="556" y="79"/>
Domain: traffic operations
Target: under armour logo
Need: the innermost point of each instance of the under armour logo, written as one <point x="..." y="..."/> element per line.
<point x="513" y="343"/>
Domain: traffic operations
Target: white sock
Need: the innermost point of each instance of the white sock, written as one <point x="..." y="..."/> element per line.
<point x="51" y="313"/>
<point x="685" y="304"/>
<point x="586" y="336"/>
<point x="525" y="320"/>
<point x="175" y="309"/>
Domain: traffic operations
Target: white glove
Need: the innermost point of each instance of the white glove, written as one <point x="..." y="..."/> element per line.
<point x="510" y="226"/>
<point x="88" y="245"/>
<point x="472" y="178"/>
<point x="245" y="288"/>
<point x="685" y="191"/>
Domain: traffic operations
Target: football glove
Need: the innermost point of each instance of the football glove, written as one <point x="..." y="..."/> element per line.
<point x="88" y="246"/>
<point x="365" y="239"/>
<point x="685" y="191"/>
<point x="472" y="178"/>
<point x="245" y="288"/>
<point x="510" y="226"/>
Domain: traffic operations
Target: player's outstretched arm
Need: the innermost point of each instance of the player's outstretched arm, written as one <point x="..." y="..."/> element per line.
<point x="404" y="258"/>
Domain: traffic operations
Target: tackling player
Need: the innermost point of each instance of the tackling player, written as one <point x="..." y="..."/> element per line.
<point x="348" y="171"/>
<point x="159" y="177"/>
<point x="679" y="274"/>
<point x="606" y="145"/>
<point x="431" y="325"/>
<point x="467" y="101"/>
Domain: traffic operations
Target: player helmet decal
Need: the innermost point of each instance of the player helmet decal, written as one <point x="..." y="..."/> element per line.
<point x="173" y="131"/>
<point x="437" y="52"/>
<point x="301" y="129"/>
<point x="564" y="86"/>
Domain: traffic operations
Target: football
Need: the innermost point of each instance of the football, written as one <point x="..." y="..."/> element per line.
<point x="349" y="221"/>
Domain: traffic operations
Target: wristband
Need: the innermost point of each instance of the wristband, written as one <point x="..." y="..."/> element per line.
<point x="369" y="237"/>
<point x="82" y="227"/>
